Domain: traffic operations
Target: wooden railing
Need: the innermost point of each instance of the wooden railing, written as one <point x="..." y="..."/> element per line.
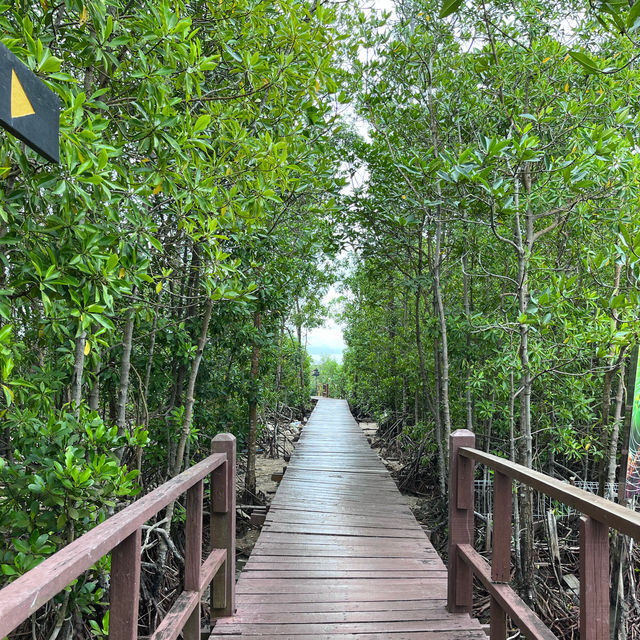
<point x="120" y="535"/>
<point x="464" y="562"/>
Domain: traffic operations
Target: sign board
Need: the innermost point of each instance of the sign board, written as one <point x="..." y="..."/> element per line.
<point x="28" y="108"/>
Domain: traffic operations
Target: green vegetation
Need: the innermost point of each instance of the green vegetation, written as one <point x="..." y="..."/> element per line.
<point x="155" y="286"/>
<point x="496" y="280"/>
<point x="148" y="283"/>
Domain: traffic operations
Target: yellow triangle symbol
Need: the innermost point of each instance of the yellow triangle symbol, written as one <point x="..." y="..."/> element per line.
<point x="20" y="105"/>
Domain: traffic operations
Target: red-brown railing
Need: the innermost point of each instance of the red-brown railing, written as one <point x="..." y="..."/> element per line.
<point x="120" y="535"/>
<point x="464" y="562"/>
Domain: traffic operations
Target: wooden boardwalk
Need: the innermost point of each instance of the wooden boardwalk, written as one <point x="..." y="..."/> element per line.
<point x="340" y="555"/>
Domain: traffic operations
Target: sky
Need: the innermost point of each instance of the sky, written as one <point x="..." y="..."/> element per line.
<point x="328" y="340"/>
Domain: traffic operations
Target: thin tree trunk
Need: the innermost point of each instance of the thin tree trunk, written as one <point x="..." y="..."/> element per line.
<point x="186" y="426"/>
<point x="191" y="387"/>
<point x="300" y="351"/>
<point x="436" y="270"/>
<point x="125" y="370"/>
<point x="250" y="476"/>
<point x="466" y="294"/>
<point x="615" y="435"/>
<point x="437" y="418"/>
<point x="444" y="344"/>
<point x="525" y="245"/>
<point x="512" y="456"/>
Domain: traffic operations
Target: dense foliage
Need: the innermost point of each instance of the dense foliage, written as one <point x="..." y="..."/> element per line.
<point x="495" y="285"/>
<point x="155" y="285"/>
<point x="152" y="283"/>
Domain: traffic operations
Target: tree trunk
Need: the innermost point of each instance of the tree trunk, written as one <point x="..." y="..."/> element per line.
<point x="191" y="387"/>
<point x="444" y="343"/>
<point x="250" y="476"/>
<point x="442" y="483"/>
<point x="300" y="351"/>
<point x="524" y="246"/>
<point x="125" y="370"/>
<point x="466" y="294"/>
<point x="176" y="467"/>
<point x="615" y="435"/>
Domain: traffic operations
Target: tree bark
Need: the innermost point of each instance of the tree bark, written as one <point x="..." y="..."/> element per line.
<point x="615" y="435"/>
<point x="125" y="370"/>
<point x="191" y="387"/>
<point x="250" y="476"/>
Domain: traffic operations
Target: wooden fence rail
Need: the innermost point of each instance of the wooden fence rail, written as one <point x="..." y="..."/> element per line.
<point x="598" y="516"/>
<point x="120" y="535"/>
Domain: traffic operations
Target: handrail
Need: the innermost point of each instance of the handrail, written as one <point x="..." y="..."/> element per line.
<point x="120" y="535"/>
<point x="610" y="513"/>
<point x="464" y="562"/>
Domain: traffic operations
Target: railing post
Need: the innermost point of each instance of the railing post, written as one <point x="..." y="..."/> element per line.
<point x="223" y="526"/>
<point x="193" y="555"/>
<point x="594" y="580"/>
<point x="124" y="591"/>
<point x="501" y="549"/>
<point x="460" y="578"/>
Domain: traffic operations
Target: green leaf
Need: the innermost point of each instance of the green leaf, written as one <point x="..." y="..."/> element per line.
<point x="202" y="123"/>
<point x="587" y="63"/>
<point x="51" y="65"/>
<point x="5" y="332"/>
<point x="618" y="302"/>
<point x="634" y="14"/>
<point x="449" y="7"/>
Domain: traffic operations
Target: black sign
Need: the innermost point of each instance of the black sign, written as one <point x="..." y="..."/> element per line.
<point x="28" y="109"/>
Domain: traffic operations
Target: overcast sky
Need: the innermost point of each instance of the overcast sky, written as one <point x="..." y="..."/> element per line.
<point x="328" y="340"/>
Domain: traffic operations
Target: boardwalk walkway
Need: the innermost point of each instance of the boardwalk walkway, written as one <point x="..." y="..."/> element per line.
<point x="341" y="556"/>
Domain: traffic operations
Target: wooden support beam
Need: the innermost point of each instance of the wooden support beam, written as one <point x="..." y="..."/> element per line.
<point x="527" y="621"/>
<point x="223" y="526"/>
<point x="460" y="579"/>
<point x="193" y="556"/>
<point x="501" y="550"/>
<point x="125" y="588"/>
<point x="594" y="580"/>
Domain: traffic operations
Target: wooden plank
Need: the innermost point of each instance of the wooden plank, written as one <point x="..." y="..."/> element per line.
<point x="340" y="555"/>
<point x="172" y="624"/>
<point x="420" y="635"/>
<point x="358" y="627"/>
<point x="339" y="607"/>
